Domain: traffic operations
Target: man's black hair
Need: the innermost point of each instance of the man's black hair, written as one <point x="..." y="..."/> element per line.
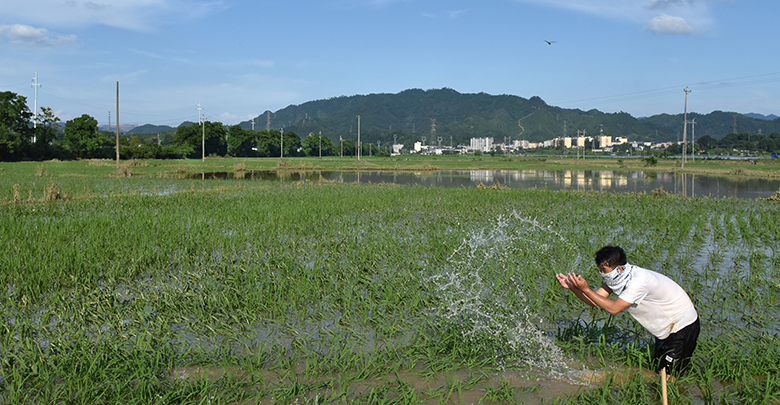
<point x="612" y="255"/>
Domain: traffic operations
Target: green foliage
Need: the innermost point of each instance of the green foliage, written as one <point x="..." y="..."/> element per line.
<point x="241" y="141"/>
<point x="83" y="140"/>
<point x="346" y="148"/>
<point x="268" y="143"/>
<point x="15" y="129"/>
<point x="317" y="145"/>
<point x="299" y="291"/>
<point x="208" y="139"/>
<point x="407" y="116"/>
<point x="651" y="161"/>
<point x="149" y="129"/>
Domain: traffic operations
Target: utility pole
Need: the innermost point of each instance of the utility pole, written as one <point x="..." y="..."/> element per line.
<point x="693" y="139"/>
<point x="281" y="149"/>
<point x="685" y="126"/>
<point x="320" y="144"/>
<point x="35" y="85"/>
<point x="202" y="122"/>
<point x="109" y="120"/>
<point x="341" y="147"/>
<point x="583" y="145"/>
<point x="358" y="144"/>
<point x="253" y="125"/>
<point x="117" y="124"/>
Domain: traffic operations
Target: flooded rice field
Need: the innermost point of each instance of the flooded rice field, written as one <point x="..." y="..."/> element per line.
<point x="355" y="293"/>
<point x="685" y="184"/>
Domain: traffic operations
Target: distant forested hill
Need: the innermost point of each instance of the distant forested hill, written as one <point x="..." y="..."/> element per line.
<point x="455" y="117"/>
<point x="409" y="116"/>
<point x="150" y="129"/>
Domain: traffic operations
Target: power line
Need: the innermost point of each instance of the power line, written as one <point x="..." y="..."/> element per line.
<point x="704" y="85"/>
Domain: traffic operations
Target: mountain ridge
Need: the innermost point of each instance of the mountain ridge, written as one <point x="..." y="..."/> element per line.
<point x="447" y="117"/>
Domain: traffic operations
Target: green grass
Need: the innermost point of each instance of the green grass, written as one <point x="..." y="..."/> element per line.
<point x="343" y="293"/>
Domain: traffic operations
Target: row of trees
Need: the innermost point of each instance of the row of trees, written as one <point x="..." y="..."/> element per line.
<point x="743" y="141"/>
<point x="23" y="139"/>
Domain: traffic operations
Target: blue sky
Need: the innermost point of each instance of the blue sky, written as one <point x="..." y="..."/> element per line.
<point x="240" y="58"/>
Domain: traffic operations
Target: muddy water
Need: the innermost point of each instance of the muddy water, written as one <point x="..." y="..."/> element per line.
<point x="463" y="386"/>
<point x="576" y="180"/>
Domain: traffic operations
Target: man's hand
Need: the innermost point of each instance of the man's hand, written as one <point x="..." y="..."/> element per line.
<point x="564" y="282"/>
<point x="576" y="281"/>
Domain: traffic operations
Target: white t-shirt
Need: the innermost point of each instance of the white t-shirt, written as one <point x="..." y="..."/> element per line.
<point x="657" y="302"/>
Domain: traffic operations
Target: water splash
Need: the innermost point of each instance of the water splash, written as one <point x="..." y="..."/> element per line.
<point x="481" y="290"/>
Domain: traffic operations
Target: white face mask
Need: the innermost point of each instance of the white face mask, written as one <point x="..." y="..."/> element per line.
<point x="617" y="278"/>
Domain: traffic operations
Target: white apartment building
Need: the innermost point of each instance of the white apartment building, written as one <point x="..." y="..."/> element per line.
<point x="484" y="145"/>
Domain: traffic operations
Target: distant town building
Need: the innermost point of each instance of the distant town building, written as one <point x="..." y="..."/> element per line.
<point x="481" y="144"/>
<point x="604" y="141"/>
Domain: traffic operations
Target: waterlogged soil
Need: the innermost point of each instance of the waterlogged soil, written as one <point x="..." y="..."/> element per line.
<point x="462" y="386"/>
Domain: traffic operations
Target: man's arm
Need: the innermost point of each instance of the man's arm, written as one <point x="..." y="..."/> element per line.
<point x="577" y="292"/>
<point x="597" y="298"/>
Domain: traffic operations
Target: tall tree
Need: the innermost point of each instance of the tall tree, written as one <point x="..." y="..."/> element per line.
<point x="292" y="142"/>
<point x="83" y="139"/>
<point x="15" y="126"/>
<point x="268" y="143"/>
<point x="316" y="144"/>
<point x="345" y="148"/>
<point x="46" y="131"/>
<point x="192" y="136"/>
<point x="241" y="141"/>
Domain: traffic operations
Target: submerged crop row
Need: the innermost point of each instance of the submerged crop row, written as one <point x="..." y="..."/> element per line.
<point x="382" y="294"/>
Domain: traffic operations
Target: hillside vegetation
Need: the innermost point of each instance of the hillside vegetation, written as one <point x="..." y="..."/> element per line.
<point x="409" y="115"/>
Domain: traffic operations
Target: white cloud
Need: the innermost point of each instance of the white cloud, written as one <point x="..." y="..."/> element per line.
<point x="452" y="14"/>
<point x="679" y="16"/>
<point x="136" y="15"/>
<point x="20" y="34"/>
<point x="667" y="24"/>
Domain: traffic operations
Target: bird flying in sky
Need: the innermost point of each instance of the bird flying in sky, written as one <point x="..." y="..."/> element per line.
<point x="549" y="42"/>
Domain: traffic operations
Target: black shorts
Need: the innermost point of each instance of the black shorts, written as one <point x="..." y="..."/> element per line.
<point x="674" y="353"/>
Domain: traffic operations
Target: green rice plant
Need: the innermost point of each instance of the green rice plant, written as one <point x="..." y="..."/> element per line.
<point x="106" y="296"/>
<point x="764" y="391"/>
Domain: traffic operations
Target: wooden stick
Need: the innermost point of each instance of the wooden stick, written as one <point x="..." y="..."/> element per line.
<point x="663" y="385"/>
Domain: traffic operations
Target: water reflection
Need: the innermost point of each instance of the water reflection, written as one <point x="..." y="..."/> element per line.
<point x="580" y="180"/>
